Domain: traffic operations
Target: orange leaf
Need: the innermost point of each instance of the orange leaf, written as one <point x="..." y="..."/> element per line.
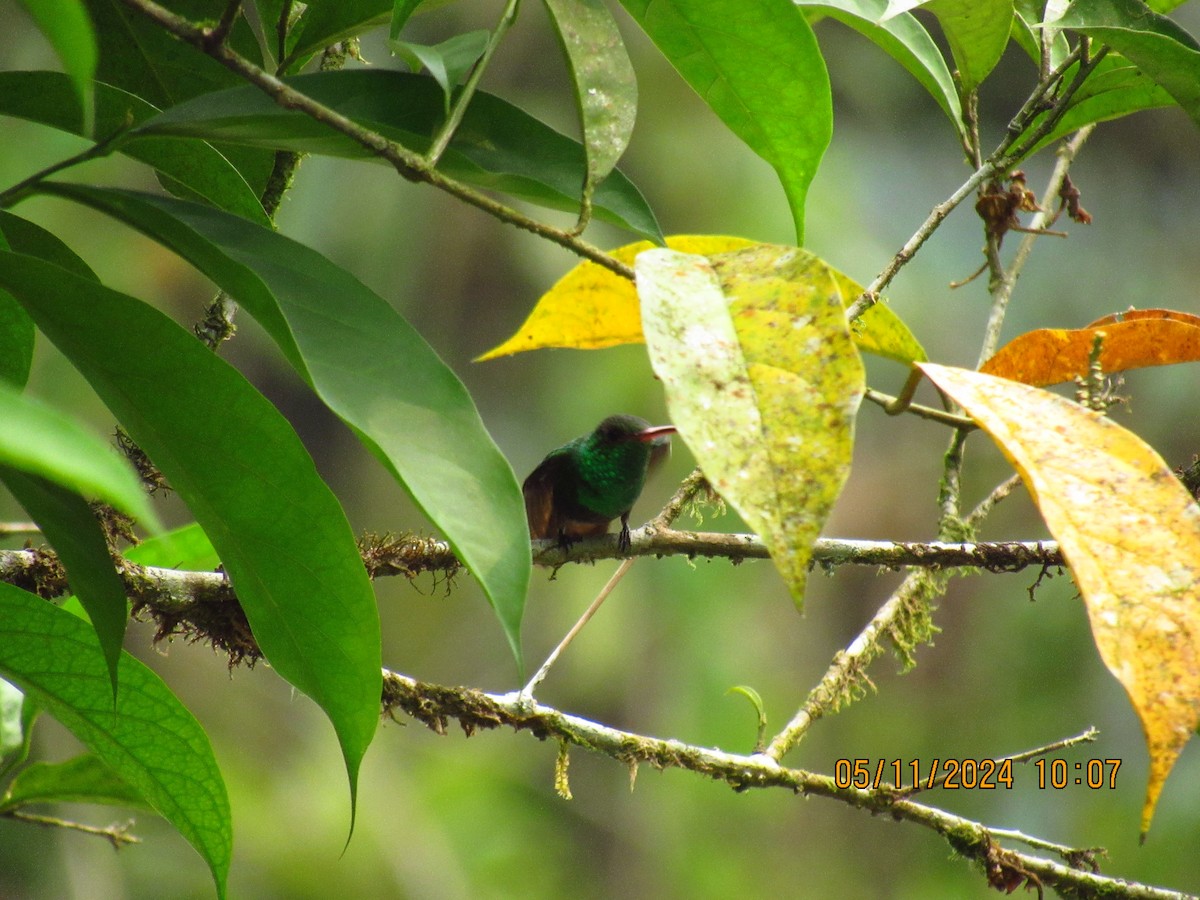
<point x="1054" y="355"/>
<point x="1131" y="534"/>
<point x="1130" y="314"/>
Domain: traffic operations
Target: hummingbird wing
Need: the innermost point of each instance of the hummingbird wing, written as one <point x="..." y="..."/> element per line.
<point x="540" y="508"/>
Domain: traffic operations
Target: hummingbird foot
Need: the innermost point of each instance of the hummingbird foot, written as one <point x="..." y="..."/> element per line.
<point x="623" y="539"/>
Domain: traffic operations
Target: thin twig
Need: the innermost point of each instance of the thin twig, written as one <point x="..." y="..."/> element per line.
<point x="101" y="148"/>
<point x="117" y="835"/>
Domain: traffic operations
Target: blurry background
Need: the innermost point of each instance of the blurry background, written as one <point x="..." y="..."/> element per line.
<point x="444" y="817"/>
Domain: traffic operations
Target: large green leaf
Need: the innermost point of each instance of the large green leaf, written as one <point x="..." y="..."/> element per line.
<point x="406" y="405"/>
<point x="283" y="538"/>
<point x="757" y="65"/>
<point x="145" y="60"/>
<point x="497" y="146"/>
<point x="66" y="25"/>
<point x="46" y="97"/>
<point x="605" y="84"/>
<point x="905" y="39"/>
<point x="1152" y="42"/>
<point x="71" y="527"/>
<point x="151" y="741"/>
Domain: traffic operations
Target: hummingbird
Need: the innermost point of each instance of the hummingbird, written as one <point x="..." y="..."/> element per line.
<point x="579" y="488"/>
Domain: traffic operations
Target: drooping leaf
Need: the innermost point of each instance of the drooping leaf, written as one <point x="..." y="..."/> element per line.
<point x="762" y="382"/>
<point x="83" y="779"/>
<point x="283" y="538"/>
<point x="497" y="146"/>
<point x="187" y="548"/>
<point x="591" y="307"/>
<point x="42" y="441"/>
<point x="151" y="741"/>
<point x="407" y="407"/>
<point x="45" y="97"/>
<point x="976" y="30"/>
<point x="68" y="523"/>
<point x="447" y="62"/>
<point x="1131" y="535"/>
<point x="757" y="65"/>
<point x="1054" y="355"/>
<point x="904" y="38"/>
<point x="605" y="84"/>
<point x="402" y="11"/>
<point x="1154" y="43"/>
<point x="66" y="26"/>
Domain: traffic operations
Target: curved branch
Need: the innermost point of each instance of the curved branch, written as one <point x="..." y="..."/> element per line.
<point x="437" y="705"/>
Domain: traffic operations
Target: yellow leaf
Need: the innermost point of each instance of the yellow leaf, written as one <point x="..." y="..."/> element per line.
<point x="591" y="307"/>
<point x="763" y="383"/>
<point x="1131" y="534"/>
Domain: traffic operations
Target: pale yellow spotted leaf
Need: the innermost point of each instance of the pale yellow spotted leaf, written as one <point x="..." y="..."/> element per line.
<point x="762" y="381"/>
<point x="591" y="307"/>
<point x="1131" y="534"/>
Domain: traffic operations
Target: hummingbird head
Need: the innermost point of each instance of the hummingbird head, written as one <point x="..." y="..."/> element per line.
<point x="624" y="429"/>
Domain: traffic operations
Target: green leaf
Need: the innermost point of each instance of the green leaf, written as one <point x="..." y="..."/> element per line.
<point x="22" y="236"/>
<point x="151" y="741"/>
<point x="402" y="11"/>
<point x="605" y="84"/>
<point x="763" y="383"/>
<point x="42" y="441"/>
<point x="66" y="25"/>
<point x="84" y="779"/>
<point x="447" y="62"/>
<point x="497" y="146"/>
<point x="187" y="548"/>
<point x="45" y="97"/>
<point x="71" y="527"/>
<point x="14" y="740"/>
<point x="905" y="39"/>
<point x="283" y="539"/>
<point x="976" y="30"/>
<point x="143" y="59"/>
<point x="757" y="65"/>
<point x="326" y="22"/>
<point x="1115" y="89"/>
<point x="407" y="406"/>
<point x="1152" y="42"/>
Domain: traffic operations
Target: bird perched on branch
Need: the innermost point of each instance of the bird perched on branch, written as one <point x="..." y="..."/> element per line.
<point x="578" y="489"/>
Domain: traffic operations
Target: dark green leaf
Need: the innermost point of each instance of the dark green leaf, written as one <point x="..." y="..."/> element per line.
<point x="46" y="97"/>
<point x="72" y="529"/>
<point x="757" y="65"/>
<point x="84" y="779"/>
<point x="905" y="39"/>
<point x="142" y="59"/>
<point x="407" y="406"/>
<point x="283" y="539"/>
<point x="402" y="10"/>
<point x="497" y="146"/>
<point x="151" y="741"/>
<point x="66" y="25"/>
<point x="605" y="85"/>
<point x="1152" y="42"/>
